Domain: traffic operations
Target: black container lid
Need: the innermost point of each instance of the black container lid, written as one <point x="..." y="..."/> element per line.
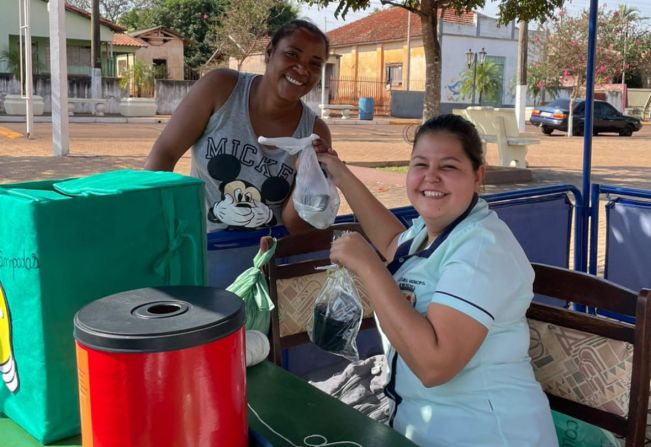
<point x="159" y="319"/>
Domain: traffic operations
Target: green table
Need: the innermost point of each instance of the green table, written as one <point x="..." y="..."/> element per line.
<point x="291" y="406"/>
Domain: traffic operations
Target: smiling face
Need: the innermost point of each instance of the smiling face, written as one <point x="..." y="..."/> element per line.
<point x="441" y="180"/>
<point x="294" y="64"/>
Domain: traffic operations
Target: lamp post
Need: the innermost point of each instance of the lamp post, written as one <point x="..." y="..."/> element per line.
<point x="472" y="59"/>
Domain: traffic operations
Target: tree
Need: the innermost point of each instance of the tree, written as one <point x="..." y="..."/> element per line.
<point x="543" y="80"/>
<point x="112" y="9"/>
<point x="193" y="19"/>
<point x="243" y="28"/>
<point x="429" y="12"/>
<point x="139" y="79"/>
<point x="566" y="51"/>
<point x="485" y="81"/>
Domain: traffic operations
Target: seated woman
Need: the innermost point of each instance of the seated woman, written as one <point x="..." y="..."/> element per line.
<point x="451" y="305"/>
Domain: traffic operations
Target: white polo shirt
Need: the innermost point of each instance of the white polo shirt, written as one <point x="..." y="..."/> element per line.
<point x="476" y="267"/>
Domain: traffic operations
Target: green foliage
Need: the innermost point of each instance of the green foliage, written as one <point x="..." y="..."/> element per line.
<point x="542" y="84"/>
<point x="486" y="81"/>
<point x="112" y="9"/>
<point x="244" y="26"/>
<point x="192" y="19"/>
<point x="12" y="59"/>
<point x="529" y="10"/>
<point x="562" y="48"/>
<point x="197" y="21"/>
<point x="139" y="78"/>
<point x="281" y="13"/>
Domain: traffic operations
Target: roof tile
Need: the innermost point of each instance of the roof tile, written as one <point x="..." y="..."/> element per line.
<point x="387" y="25"/>
<point x="124" y="40"/>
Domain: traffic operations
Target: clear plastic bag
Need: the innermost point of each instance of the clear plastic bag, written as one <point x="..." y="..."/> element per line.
<point x="337" y="315"/>
<point x="315" y="197"/>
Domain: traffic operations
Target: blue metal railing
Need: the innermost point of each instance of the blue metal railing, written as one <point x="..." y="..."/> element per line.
<point x="597" y="190"/>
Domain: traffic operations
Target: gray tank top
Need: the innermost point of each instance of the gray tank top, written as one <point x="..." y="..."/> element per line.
<point x="246" y="183"/>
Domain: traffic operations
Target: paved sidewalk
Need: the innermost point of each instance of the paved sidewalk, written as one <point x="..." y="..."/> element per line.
<point x="96" y="147"/>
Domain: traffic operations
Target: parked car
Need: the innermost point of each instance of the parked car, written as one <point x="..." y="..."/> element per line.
<point x="606" y="118"/>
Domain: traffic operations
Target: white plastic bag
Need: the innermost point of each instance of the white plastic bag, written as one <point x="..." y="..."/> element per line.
<point x="316" y="198"/>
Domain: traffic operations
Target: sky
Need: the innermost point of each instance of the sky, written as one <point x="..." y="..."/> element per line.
<point x="324" y="17"/>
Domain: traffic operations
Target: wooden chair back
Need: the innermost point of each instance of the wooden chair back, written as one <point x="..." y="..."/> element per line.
<point x="294" y="284"/>
<point x="593" y="368"/>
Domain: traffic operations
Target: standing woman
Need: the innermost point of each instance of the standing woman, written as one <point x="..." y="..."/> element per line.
<point x="451" y="305"/>
<point x="248" y="185"/>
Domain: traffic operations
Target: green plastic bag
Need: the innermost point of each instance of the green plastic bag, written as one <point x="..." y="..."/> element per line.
<point x="573" y="432"/>
<point x="252" y="287"/>
<point x="66" y="243"/>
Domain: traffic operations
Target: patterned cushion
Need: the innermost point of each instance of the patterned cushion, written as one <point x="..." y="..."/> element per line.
<point x="582" y="367"/>
<point x="296" y="300"/>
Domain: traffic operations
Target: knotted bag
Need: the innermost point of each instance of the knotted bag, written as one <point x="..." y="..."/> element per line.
<point x="251" y="286"/>
<point x="315" y="197"/>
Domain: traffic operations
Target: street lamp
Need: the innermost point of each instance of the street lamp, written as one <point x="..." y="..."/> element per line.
<point x="472" y="60"/>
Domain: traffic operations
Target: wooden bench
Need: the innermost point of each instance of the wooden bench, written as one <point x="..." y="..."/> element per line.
<point x="98" y="103"/>
<point x="345" y="109"/>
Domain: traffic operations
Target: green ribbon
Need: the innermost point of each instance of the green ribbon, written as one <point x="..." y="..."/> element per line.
<point x="168" y="264"/>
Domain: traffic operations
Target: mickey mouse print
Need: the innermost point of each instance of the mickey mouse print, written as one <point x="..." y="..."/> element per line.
<point x="251" y="184"/>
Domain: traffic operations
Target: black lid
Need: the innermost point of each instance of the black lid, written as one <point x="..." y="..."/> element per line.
<point x="159" y="319"/>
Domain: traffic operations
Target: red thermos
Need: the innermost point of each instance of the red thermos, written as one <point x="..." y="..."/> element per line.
<point x="162" y="367"/>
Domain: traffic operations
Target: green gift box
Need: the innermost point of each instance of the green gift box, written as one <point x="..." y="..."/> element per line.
<point x="66" y="243"/>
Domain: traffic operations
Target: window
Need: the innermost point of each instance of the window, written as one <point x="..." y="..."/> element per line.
<point x="609" y="110"/>
<point x="160" y="68"/>
<point x="600" y="110"/>
<point x="494" y="98"/>
<point x="393" y="74"/>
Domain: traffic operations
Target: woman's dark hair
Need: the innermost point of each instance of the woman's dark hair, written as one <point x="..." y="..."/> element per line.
<point x="290" y="27"/>
<point x="459" y="127"/>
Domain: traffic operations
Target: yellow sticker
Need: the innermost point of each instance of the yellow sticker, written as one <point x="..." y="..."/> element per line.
<point x="84" y="397"/>
<point x="7" y="364"/>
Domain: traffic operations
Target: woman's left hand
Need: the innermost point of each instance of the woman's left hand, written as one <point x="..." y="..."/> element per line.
<point x="354" y="252"/>
<point x="321" y="147"/>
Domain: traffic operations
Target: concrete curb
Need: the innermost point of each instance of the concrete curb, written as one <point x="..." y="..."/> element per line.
<point x="158" y="119"/>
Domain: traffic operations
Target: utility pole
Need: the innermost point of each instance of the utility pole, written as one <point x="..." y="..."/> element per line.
<point x="26" y="75"/>
<point x="95" y="53"/>
<point x="59" y="73"/>
<point x="408" y="74"/>
<point x="624" y="58"/>
<point x="521" y="88"/>
<point x="323" y="73"/>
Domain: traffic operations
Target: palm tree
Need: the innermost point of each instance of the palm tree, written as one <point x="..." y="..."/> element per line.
<point x="486" y="80"/>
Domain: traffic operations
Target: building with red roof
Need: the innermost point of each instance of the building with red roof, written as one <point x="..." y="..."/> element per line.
<point x="375" y="56"/>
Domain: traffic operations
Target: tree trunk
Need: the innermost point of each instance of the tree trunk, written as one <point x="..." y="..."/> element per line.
<point x="570" y="116"/>
<point x="432" y="48"/>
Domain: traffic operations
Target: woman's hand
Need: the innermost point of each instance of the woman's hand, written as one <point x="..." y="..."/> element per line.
<point x="355" y="253"/>
<point x="321" y="146"/>
<point x="336" y="168"/>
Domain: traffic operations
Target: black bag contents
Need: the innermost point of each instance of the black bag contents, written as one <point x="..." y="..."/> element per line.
<point x="337" y="315"/>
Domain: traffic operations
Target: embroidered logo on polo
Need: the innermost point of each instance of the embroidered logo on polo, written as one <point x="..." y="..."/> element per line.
<point x="242" y="204"/>
<point x="408" y="291"/>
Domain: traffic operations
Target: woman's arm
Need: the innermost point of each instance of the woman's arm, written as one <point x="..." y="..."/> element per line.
<point x="291" y="219"/>
<point x="380" y="225"/>
<point x="436" y="347"/>
<point x="190" y="119"/>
